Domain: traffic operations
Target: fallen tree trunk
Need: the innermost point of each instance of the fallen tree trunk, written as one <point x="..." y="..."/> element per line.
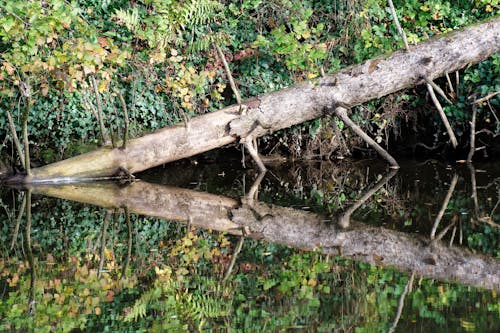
<point x="281" y="109"/>
<point x="292" y="227"/>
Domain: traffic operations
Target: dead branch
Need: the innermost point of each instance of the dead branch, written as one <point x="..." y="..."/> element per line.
<point x="446" y="123"/>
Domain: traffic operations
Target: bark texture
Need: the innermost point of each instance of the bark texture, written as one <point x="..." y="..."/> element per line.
<point x="292" y="227"/>
<point x="281" y="109"/>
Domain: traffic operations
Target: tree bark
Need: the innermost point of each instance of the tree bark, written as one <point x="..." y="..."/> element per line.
<point x="291" y="227"/>
<point x="281" y="109"/>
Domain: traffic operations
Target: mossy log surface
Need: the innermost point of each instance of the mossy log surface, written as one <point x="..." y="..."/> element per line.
<point x="281" y="109"/>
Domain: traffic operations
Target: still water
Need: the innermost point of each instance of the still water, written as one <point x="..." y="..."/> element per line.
<point x="318" y="247"/>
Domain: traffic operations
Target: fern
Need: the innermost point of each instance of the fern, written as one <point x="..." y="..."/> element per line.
<point x="196" y="13"/>
<point x="204" y="42"/>
<point x="129" y="18"/>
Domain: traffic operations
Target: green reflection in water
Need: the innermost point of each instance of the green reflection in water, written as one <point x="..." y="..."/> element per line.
<point x="155" y="275"/>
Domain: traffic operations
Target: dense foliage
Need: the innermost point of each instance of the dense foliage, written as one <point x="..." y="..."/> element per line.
<point x="62" y="60"/>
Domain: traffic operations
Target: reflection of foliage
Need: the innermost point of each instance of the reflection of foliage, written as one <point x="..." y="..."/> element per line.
<point x="174" y="279"/>
<point x="65" y="295"/>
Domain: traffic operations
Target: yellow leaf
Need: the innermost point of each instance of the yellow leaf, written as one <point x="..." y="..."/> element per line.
<point x="97" y="311"/>
<point x="183" y="92"/>
<point x="88" y="69"/>
<point x="103" y="86"/>
<point x="8" y="68"/>
<point x="107" y="252"/>
<point x="311" y="75"/>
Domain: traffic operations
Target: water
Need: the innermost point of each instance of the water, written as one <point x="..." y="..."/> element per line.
<point x="345" y="247"/>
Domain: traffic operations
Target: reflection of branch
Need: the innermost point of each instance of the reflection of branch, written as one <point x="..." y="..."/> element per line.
<point x="233" y="259"/>
<point x="444" y="206"/>
<point x="402" y="302"/>
<point x="344" y="218"/>
<point x="129" y="244"/>
<point x="253" y="193"/>
<point x="18" y="222"/>
<point x="29" y="254"/>
<point x="103" y="242"/>
<point x="472" y="134"/>
<point x="478" y="216"/>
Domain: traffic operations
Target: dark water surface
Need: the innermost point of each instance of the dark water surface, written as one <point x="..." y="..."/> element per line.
<point x="329" y="247"/>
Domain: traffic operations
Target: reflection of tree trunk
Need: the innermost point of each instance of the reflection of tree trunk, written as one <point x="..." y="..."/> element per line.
<point x="18" y="223"/>
<point x="292" y="227"/>
<point x="401" y="302"/>
<point x="129" y="243"/>
<point x="29" y="255"/>
<point x="102" y="257"/>
<point x="281" y="109"/>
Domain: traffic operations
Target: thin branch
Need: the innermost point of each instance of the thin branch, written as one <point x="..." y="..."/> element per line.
<point x="252" y="150"/>
<point x="125" y="115"/>
<point x="27" y="163"/>
<point x="446" y="123"/>
<point x="457" y="81"/>
<point x="17" y="143"/>
<point x="396" y="21"/>
<point x="450" y="85"/>
<point x="341" y="112"/>
<point x="487" y="97"/>
<point x="444" y="206"/>
<point x="438" y="90"/>
<point x="472" y="133"/>
<point x="104" y="135"/>
<point x="228" y="73"/>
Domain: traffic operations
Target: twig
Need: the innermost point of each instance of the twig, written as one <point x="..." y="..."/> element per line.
<point x="27" y="163"/>
<point x="453" y="235"/>
<point x="104" y="135"/>
<point x="341" y="112"/>
<point x="472" y="133"/>
<point x="17" y="143"/>
<point x="252" y="150"/>
<point x="487" y="97"/>
<point x="450" y="85"/>
<point x="396" y="21"/>
<point x="444" y="206"/>
<point x="125" y="115"/>
<point x="457" y="80"/>
<point x="228" y="73"/>
<point x="438" y="90"/>
<point x="453" y="139"/>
